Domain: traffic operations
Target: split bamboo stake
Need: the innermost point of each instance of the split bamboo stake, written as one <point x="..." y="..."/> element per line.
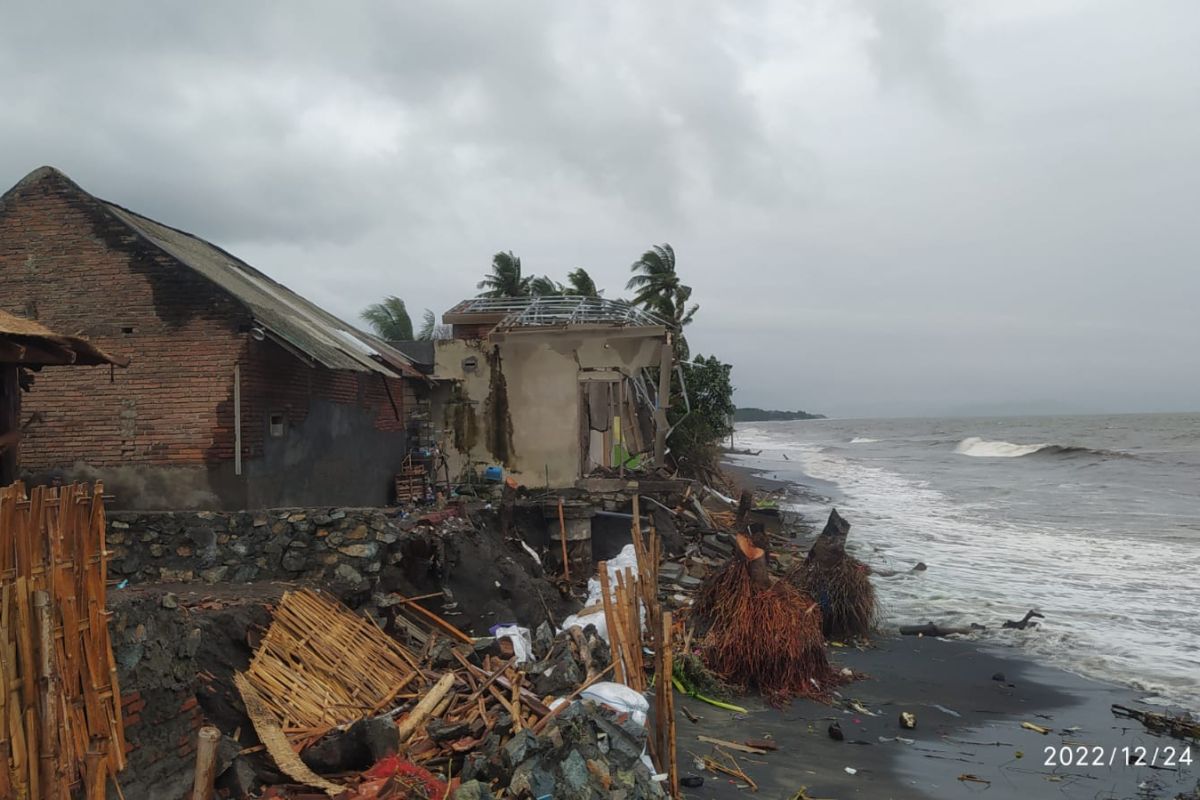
<point x="610" y="622"/>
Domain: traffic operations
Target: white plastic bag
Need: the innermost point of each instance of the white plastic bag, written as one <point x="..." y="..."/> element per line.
<point x="619" y="698"/>
<point x="522" y="642"/>
<point x="627" y="558"/>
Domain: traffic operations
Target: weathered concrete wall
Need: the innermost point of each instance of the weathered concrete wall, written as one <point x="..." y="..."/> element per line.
<point x="541" y="373"/>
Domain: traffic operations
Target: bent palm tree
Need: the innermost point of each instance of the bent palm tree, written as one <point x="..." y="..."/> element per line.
<point x="389" y="319"/>
<point x="545" y="287"/>
<point x="580" y="283"/>
<point x="655" y="279"/>
<point x="505" y="279"/>
<point x="659" y="289"/>
<point x="428" y="330"/>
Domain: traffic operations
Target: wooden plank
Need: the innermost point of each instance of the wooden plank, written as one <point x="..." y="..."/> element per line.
<point x="732" y="745"/>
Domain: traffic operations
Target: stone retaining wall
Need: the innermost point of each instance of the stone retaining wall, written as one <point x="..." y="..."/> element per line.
<point x="342" y="545"/>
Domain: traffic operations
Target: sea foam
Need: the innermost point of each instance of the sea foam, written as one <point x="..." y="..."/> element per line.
<point x="982" y="448"/>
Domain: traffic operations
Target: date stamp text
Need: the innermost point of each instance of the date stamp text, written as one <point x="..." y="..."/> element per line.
<point x="1167" y="756"/>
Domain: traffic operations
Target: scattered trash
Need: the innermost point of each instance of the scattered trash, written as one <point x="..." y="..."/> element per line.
<point x="945" y="710"/>
<point x="968" y="778"/>
<point x="908" y="720"/>
<point x="851" y="771"/>
<point x="1029" y="726"/>
<point x="860" y="708"/>
<point x="522" y="643"/>
<point x="835" y="731"/>
<point x="899" y="739"/>
<point x="620" y="698"/>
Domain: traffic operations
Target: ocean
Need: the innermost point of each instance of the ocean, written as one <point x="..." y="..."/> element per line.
<point x="1093" y="521"/>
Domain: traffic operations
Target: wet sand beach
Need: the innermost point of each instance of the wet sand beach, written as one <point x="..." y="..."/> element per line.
<point x="970" y="700"/>
<point x="967" y="724"/>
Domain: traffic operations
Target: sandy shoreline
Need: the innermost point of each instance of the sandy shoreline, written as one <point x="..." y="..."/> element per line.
<point x="983" y="740"/>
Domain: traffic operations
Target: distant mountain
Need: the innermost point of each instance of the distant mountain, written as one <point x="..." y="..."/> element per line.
<point x="767" y="415"/>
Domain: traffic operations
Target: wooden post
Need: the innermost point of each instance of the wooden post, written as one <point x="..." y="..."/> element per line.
<point x="562" y="532"/>
<point x="668" y="702"/>
<point x="664" y="402"/>
<point x="206" y="763"/>
<point x="10" y="422"/>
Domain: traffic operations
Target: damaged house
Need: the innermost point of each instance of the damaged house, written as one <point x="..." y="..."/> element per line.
<point x="239" y="393"/>
<point x="551" y="388"/>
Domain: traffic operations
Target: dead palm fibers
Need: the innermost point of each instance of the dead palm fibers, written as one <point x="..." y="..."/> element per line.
<point x="766" y="638"/>
<point x="842" y="587"/>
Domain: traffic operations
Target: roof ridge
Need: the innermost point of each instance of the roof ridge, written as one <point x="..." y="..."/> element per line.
<point x="328" y="339"/>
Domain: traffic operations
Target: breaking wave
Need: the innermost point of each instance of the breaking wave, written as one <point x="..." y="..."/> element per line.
<point x="982" y="448"/>
<point x="863" y="440"/>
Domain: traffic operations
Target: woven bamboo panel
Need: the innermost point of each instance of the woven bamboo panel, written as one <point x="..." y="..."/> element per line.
<point x="61" y="733"/>
<point x="320" y="666"/>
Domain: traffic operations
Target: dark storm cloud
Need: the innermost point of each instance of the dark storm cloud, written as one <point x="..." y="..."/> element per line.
<point x="884" y="207"/>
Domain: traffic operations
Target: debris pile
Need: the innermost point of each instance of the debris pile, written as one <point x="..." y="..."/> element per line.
<point x="341" y="706"/>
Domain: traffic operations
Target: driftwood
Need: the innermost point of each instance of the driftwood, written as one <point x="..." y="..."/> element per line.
<point x="1178" y="727"/>
<point x="1025" y="622"/>
<point x="830" y="546"/>
<point x="929" y="629"/>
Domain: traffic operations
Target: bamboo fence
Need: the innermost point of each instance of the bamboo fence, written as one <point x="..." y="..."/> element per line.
<point x="636" y="623"/>
<point x="321" y="665"/>
<point x="61" y="733"/>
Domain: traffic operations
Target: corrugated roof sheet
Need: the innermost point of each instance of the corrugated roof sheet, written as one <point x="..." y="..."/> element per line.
<point x="296" y="321"/>
<point x="554" y="310"/>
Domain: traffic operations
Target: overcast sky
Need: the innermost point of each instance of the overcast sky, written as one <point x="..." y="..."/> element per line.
<point x="885" y="207"/>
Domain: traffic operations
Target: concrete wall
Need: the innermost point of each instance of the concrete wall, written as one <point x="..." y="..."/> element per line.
<point x="534" y="430"/>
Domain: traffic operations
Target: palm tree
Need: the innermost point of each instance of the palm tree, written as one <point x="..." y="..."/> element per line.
<point x="580" y="283"/>
<point x="389" y="320"/>
<point x="655" y="279"/>
<point x="660" y="291"/>
<point x="429" y="327"/>
<point x="543" y="286"/>
<point x="505" y="279"/>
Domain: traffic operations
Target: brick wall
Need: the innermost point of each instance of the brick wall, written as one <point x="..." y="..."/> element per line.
<point x="274" y="382"/>
<point x="67" y="263"/>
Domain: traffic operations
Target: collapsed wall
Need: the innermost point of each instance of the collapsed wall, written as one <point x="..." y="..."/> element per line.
<point x="200" y="586"/>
